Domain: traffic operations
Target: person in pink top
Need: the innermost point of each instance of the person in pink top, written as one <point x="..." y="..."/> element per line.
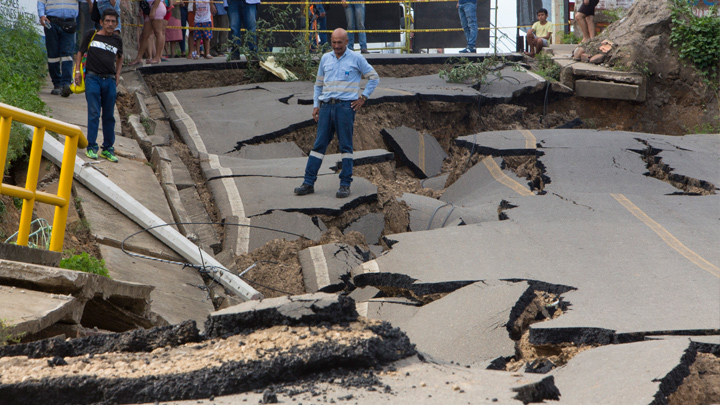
<point x="155" y="22"/>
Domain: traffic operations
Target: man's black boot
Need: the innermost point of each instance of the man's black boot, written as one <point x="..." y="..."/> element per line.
<point x="66" y="92"/>
<point x="304" y="189"/>
<point x="343" y="192"/>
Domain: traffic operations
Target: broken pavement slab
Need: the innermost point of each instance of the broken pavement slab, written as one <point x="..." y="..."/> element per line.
<point x="421" y="152"/>
<point x="414" y="381"/>
<point x="484" y="186"/>
<point x="68" y="295"/>
<point x="237" y="364"/>
<point x="264" y="228"/>
<point x="178" y="293"/>
<point x="308" y="309"/>
<point x="630" y="264"/>
<point x="370" y="225"/>
<point x="277" y="150"/>
<point x="30" y="312"/>
<point x="261" y="195"/>
<point x="634" y="373"/>
<point x="428" y="213"/>
<point x="466" y="326"/>
<point x="203" y="116"/>
<point x="329" y="265"/>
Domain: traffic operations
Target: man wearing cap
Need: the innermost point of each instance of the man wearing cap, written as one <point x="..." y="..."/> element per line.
<point x="58" y="17"/>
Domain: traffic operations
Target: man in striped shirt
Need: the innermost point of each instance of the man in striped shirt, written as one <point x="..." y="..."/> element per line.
<point x="336" y="99"/>
<point x="59" y="43"/>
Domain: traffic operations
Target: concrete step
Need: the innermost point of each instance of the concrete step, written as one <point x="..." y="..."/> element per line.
<point x="597" y="81"/>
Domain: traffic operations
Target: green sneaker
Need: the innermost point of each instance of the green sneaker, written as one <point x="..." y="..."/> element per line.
<point x="91" y="154"/>
<point x="109" y="155"/>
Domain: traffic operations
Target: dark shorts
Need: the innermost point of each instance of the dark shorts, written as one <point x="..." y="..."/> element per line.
<point x="588" y="9"/>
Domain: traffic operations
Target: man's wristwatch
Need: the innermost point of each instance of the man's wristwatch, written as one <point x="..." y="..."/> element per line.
<point x="364" y="97"/>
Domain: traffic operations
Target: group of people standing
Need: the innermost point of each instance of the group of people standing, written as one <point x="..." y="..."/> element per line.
<point x="102" y="49"/>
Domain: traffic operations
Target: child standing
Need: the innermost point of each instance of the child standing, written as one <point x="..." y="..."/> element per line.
<point x="204" y="10"/>
<point x="538" y="36"/>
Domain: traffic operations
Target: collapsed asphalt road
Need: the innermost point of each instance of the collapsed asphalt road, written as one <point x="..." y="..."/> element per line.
<point x="544" y="265"/>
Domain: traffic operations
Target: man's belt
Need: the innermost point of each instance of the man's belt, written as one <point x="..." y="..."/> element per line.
<point x="335" y="101"/>
<point x="104" y="76"/>
<point x="58" y="19"/>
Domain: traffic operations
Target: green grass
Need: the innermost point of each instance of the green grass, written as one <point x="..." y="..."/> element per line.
<point x="696" y="39"/>
<point x="86" y="263"/>
<point x="22" y="73"/>
<point x="7" y="333"/>
<point x="547" y="67"/>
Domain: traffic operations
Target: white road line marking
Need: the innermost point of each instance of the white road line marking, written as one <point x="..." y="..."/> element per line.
<point x="322" y="274"/>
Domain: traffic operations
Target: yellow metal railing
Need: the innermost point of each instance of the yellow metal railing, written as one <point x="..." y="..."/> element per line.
<point x="61" y="201"/>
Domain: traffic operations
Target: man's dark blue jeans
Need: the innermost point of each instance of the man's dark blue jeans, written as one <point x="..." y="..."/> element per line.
<point x="334" y="118"/>
<point x="60" y="47"/>
<point x="242" y="15"/>
<point x="100" y="93"/>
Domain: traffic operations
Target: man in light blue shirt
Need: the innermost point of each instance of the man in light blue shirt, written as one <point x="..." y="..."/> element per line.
<point x="336" y="99"/>
<point x="60" y="43"/>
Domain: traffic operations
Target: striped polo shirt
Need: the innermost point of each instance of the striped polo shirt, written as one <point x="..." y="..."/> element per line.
<point x="58" y="8"/>
<point x="339" y="78"/>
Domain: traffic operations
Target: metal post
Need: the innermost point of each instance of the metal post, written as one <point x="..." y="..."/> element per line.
<point x="496" y="27"/>
<point x="307" y="21"/>
<point x="65" y="192"/>
<point x="408" y="21"/>
<point x="31" y="184"/>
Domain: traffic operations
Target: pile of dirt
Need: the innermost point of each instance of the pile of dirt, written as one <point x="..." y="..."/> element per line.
<point x="702" y="386"/>
<point x="277" y="271"/>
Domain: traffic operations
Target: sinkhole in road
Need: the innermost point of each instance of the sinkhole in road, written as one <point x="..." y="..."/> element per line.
<point x="444" y="121"/>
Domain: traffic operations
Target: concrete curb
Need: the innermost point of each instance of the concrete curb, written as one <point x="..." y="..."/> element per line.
<point x="129" y="206"/>
<point x="183" y="123"/>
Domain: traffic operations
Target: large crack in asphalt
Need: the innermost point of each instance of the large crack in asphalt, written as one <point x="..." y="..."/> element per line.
<point x="661" y="171"/>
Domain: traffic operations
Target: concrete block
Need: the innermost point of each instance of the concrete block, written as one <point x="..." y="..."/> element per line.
<point x="420" y="152"/>
<point x="609" y="90"/>
<point x="27" y="254"/>
<point x="154" y="108"/>
<point x="129" y="148"/>
<point x="139" y="133"/>
<point x="370" y="225"/>
<point x="180" y="172"/>
<point x="294" y="222"/>
<point x="177" y="296"/>
<point x="308" y="309"/>
<point x="162" y="135"/>
<point x="327" y="265"/>
<point x="208" y="238"/>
